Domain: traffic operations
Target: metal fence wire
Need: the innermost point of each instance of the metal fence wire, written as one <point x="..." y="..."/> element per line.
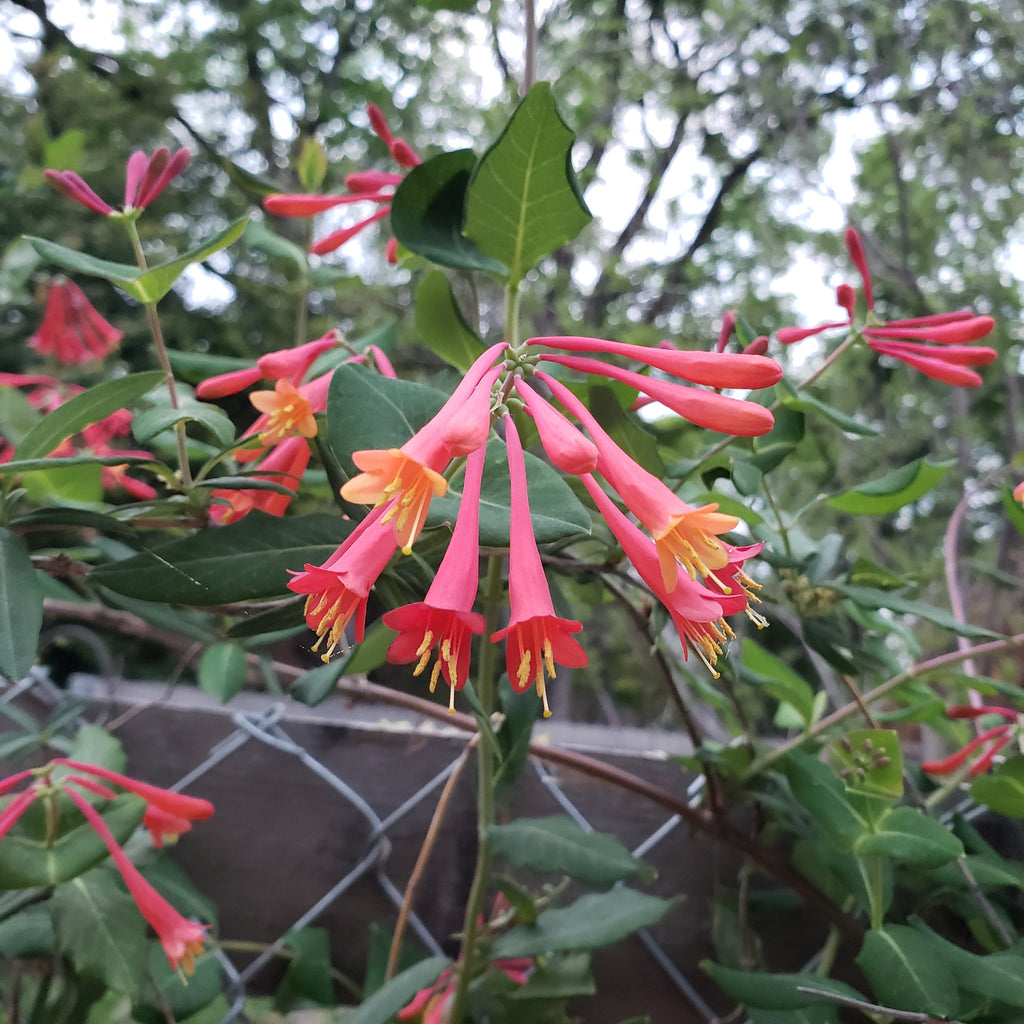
<point x="268" y="726"/>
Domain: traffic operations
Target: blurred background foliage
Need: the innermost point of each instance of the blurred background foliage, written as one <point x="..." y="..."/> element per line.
<point x="722" y="147"/>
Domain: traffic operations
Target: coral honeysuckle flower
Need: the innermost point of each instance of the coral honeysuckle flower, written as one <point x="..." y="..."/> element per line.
<point x="145" y="178"/>
<point x="696" y="612"/>
<point x="407" y="478"/>
<point x="704" y="408"/>
<point x="337" y="590"/>
<point x="179" y="804"/>
<point x="535" y="639"/>
<point x="444" y="620"/>
<point x="288" y="411"/>
<point x="182" y="940"/>
<point x="938" y="345"/>
<point x="284" y="464"/>
<point x="72" y="330"/>
<point x="990" y="742"/>
<point x="682" y="533"/>
<point x="363" y="186"/>
<point x="1018" y="492"/>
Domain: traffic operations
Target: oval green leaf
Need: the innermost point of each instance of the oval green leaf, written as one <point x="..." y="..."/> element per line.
<point x="21" y="607"/>
<point x="892" y="491"/>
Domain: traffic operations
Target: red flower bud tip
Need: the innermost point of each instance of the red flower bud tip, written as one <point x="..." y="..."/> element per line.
<point x="789" y="335"/>
<point x="338" y="238"/>
<point x="403" y="154"/>
<point x="758" y="347"/>
<point x="391" y="251"/>
<point x="379" y="124"/>
<point x="1018" y="492"/>
<point x="847" y="298"/>
<point x="384" y="367"/>
<point x="15" y="809"/>
<point x="303" y="204"/>
<point x="856" y="250"/>
<point x="728" y="323"/>
<point x="971" y="712"/>
<point x="225" y="384"/>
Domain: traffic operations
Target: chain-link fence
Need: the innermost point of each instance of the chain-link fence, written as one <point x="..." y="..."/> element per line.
<point x="322" y="812"/>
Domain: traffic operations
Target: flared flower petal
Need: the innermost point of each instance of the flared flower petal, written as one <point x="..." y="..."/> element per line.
<point x="288" y="411"/>
<point x="855" y="248"/>
<point x="337" y="590"/>
<point x="69" y="184"/>
<point x="410" y="476"/>
<point x="535" y="639"/>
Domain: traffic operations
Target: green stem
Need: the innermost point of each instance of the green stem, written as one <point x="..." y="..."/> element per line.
<point x="512" y="298"/>
<point x="486" y="685"/>
<point x="157" y="334"/>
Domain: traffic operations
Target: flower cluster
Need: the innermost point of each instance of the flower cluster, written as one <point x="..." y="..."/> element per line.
<point x="430" y="1004"/>
<point x="72" y="330"/>
<point x="990" y="742"/>
<point x="45" y="394"/>
<point x="401" y="482"/>
<point x="285" y="425"/>
<point x="167" y="816"/>
<point x="145" y="178"/>
<point x="363" y="187"/>
<point x="939" y="345"/>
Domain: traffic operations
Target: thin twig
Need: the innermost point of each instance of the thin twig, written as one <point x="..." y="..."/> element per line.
<point x="419" y="867"/>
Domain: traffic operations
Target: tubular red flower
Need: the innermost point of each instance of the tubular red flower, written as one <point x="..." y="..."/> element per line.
<point x="15" y="809"/>
<point x="681" y="531"/>
<point x="728" y="325"/>
<point x="444" y="620"/>
<point x="284" y="464"/>
<point x="69" y="184"/>
<point x="145" y="178"/>
<point x="713" y="369"/>
<point x="466" y="429"/>
<point x="337" y="590"/>
<point x="942" y="332"/>
<point x="789" y="335"/>
<point x="940" y="364"/>
<point x="536" y="639"/>
<point x="564" y="445"/>
<point x="304" y="204"/>
<point x="373" y="181"/>
<point x="181" y="939"/>
<point x="412" y="474"/>
<point x="1018" y="492"/>
<point x="948" y="765"/>
<point x="72" y="329"/>
<point x="704" y="408"/>
<point x="192" y="807"/>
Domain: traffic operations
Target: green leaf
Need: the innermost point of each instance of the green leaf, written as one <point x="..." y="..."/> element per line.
<point x="316" y="685"/>
<point x="17" y="417"/>
<point x="307" y="977"/>
<point x="222" y="671"/>
<point x="823" y="796"/>
<point x="556" y="513"/>
<point x="428" y="210"/>
<point x="1013" y="509"/>
<point x="393" y="995"/>
<point x="161" y="416"/>
<point x="21" y="607"/>
<point x="905" y="973"/>
<point x="746" y="476"/>
<point x="523" y="200"/>
<point x="440" y="323"/>
<point x="893" y="490"/>
<point x="805" y="403"/>
<point x="778" y="679"/>
<point x="100" y="930"/>
<point x="911" y="837"/>
<point x="155" y="283"/>
<point x="559" y="844"/>
<point x="760" y="990"/>
<point x="868" y="597"/>
<point x="197" y="366"/>
<point x="29" y="933"/>
<point x="865" y="573"/>
<point x="182" y="995"/>
<point x="87" y="408"/>
<point x="366" y="410"/>
<point x="124" y="275"/>
<point x="27" y="859"/>
<point x="1002" y="789"/>
<point x="597" y="919"/>
<point x="558" y="977"/>
<point x="243" y="561"/>
<point x="311" y="165"/>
